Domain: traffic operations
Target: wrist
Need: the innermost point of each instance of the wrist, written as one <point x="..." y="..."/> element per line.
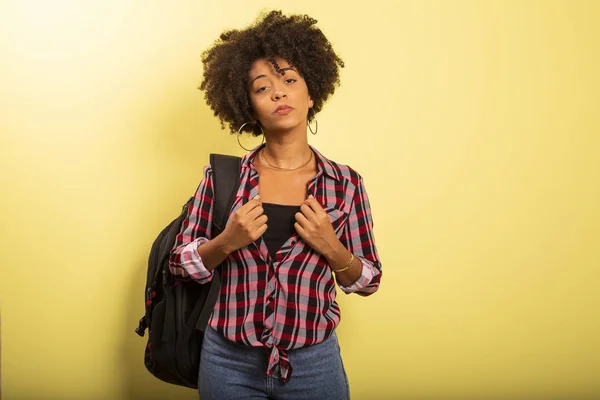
<point x="338" y="255"/>
<point x="345" y="267"/>
<point x="223" y="244"/>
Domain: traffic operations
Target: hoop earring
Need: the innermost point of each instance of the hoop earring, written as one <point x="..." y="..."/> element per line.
<point x="240" y="134"/>
<point x="316" y="123"/>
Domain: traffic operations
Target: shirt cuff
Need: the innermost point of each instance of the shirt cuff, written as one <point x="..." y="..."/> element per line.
<point x="363" y="280"/>
<point x="192" y="263"/>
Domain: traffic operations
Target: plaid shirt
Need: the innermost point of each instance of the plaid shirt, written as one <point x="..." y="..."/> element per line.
<point x="286" y="302"/>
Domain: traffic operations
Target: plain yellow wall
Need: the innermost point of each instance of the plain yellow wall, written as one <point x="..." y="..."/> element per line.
<point x="474" y="123"/>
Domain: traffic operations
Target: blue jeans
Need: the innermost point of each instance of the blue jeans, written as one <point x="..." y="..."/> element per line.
<point x="232" y="371"/>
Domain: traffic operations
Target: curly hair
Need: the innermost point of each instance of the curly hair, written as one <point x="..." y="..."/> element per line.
<point x="294" y="38"/>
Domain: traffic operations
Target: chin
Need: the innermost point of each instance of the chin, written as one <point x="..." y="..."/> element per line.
<point x="283" y="126"/>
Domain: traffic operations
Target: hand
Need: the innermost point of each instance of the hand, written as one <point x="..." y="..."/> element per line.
<point x="314" y="227"/>
<point x="245" y="225"/>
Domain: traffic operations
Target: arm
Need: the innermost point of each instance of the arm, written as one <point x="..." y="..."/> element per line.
<point x="194" y="254"/>
<point x="364" y="275"/>
<point x="186" y="261"/>
<point x="356" y="243"/>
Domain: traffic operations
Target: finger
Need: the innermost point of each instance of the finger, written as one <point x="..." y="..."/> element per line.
<point x="301" y="219"/>
<point x="300" y="231"/>
<point x="314" y="205"/>
<point x="259" y="222"/>
<point x="255" y="212"/>
<point x="249" y="206"/>
<point x="261" y="231"/>
<point x="309" y="213"/>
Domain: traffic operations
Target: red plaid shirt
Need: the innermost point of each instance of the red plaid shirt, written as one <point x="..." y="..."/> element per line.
<point x="287" y="302"/>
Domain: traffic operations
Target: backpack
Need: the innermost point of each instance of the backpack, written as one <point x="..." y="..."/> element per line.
<point x="177" y="311"/>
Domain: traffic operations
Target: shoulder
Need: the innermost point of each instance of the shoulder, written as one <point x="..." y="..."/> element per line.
<point x="207" y="177"/>
<point x="207" y="171"/>
<point x="341" y="171"/>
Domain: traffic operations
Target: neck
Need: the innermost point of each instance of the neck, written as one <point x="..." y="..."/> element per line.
<point x="287" y="151"/>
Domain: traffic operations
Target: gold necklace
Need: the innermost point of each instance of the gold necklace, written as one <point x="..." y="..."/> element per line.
<point x="264" y="158"/>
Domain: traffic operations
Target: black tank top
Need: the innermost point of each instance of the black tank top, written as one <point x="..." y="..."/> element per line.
<point x="280" y="226"/>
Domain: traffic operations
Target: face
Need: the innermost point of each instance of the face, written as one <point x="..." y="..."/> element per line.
<point x="269" y="90"/>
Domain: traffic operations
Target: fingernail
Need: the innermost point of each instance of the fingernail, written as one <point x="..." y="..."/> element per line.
<point x="257" y="197"/>
<point x="311" y="196"/>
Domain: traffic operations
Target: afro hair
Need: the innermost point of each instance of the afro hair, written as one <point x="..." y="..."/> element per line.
<point x="294" y="38"/>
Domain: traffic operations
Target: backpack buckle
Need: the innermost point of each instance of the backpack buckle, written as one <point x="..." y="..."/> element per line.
<point x="141" y="329"/>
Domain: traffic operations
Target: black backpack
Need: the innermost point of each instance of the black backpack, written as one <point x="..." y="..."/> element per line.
<point x="177" y="311"/>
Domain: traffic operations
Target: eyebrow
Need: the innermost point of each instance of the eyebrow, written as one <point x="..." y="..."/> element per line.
<point x="264" y="76"/>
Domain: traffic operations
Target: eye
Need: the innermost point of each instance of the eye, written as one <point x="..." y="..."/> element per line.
<point x="262" y="89"/>
<point x="290" y="79"/>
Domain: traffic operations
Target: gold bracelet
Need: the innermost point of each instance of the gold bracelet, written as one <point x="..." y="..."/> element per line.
<point x="345" y="267"/>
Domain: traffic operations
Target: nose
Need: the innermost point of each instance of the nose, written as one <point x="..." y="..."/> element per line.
<point x="278" y="94"/>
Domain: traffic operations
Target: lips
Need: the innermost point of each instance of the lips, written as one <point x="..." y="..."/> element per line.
<point x="283" y="109"/>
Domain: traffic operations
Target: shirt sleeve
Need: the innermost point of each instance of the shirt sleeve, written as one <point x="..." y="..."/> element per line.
<point x="359" y="240"/>
<point x="184" y="260"/>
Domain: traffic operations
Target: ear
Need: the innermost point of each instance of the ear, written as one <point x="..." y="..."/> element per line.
<point x="311" y="103"/>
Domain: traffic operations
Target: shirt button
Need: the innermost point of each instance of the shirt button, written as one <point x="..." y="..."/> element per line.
<point x="293" y="242"/>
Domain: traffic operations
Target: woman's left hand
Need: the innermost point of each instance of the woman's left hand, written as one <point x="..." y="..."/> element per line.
<point x="314" y="227"/>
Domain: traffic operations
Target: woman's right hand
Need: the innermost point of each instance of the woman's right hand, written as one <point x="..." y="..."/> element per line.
<point x="245" y="225"/>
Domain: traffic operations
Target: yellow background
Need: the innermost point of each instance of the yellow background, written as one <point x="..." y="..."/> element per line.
<point x="474" y="123"/>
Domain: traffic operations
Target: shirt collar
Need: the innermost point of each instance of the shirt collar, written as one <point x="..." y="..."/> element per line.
<point x="324" y="165"/>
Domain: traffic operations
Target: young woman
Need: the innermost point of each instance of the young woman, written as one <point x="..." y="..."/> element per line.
<point x="298" y="220"/>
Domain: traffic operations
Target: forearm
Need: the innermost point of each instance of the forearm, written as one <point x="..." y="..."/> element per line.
<point x="214" y="252"/>
<point x="339" y="258"/>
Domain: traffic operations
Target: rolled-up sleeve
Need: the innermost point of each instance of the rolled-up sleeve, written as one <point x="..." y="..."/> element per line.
<point x="184" y="260"/>
<point x="359" y="240"/>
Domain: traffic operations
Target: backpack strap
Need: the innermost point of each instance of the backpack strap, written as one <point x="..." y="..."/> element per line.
<point x="226" y="180"/>
<point x="226" y="177"/>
